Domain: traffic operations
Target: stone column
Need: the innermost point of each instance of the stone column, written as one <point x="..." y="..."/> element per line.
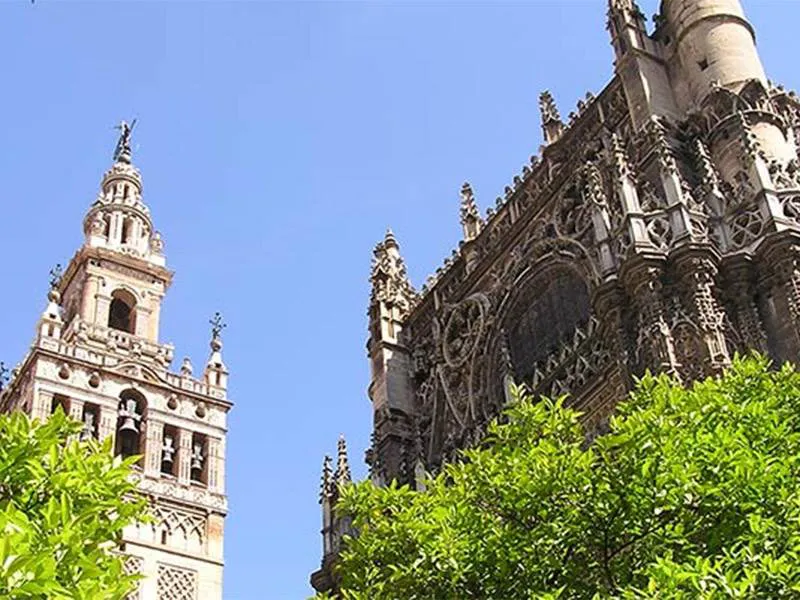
<point x="102" y="306"/>
<point x="154" y="437"/>
<point x="42" y="405"/>
<point x="184" y="456"/>
<point x="91" y="287"/>
<point x="76" y="409"/>
<point x="216" y="465"/>
<point x="108" y="423"/>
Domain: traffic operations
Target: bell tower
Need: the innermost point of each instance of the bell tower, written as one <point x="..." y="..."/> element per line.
<point x="98" y="356"/>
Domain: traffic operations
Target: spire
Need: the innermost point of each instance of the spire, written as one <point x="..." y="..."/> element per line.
<point x="216" y="373"/>
<point x="471" y="221"/>
<point x="389" y="278"/>
<point x="342" y="474"/>
<point x="552" y="125"/>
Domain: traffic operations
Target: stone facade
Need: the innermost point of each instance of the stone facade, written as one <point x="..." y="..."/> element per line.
<point x="97" y="355"/>
<point x="659" y="228"/>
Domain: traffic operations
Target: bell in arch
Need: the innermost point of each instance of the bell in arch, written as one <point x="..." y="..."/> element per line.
<point x="197" y="457"/>
<point x="168" y="451"/>
<point x="129" y="415"/>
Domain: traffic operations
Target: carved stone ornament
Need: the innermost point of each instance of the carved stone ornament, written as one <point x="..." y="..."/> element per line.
<point x="463" y="330"/>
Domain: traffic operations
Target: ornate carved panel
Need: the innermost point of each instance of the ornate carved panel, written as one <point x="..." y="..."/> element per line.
<point x="175" y="583"/>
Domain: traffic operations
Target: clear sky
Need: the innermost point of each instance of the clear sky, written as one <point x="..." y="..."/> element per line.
<point x="277" y="141"/>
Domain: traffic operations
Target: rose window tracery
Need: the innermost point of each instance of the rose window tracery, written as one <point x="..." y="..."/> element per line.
<point x="553" y="306"/>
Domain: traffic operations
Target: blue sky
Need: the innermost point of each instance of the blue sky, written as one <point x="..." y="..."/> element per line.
<point x="277" y="141"/>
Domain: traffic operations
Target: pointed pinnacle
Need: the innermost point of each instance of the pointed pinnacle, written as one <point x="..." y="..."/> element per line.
<point x="469" y="208"/>
<point x="342" y="474"/>
<point x="326" y="484"/>
<point x="547" y="105"/>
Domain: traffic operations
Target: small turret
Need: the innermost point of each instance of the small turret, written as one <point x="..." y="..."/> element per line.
<point x="50" y="323"/>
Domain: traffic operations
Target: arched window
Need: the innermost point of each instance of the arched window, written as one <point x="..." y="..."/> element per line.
<point x="121" y="314"/>
<point x="90" y="418"/>
<point x="130" y="418"/>
<point x="127" y="227"/>
<point x="552" y="306"/>
<point x="199" y="458"/>
<point x="61" y="402"/>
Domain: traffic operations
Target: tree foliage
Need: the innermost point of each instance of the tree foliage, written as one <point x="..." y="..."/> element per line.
<point x="63" y="505"/>
<point x="694" y="493"/>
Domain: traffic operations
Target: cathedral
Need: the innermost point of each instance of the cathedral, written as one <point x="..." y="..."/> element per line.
<point x="658" y="228"/>
<point x="97" y="355"/>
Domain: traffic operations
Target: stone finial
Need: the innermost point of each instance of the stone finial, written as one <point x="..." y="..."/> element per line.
<point x="342" y="474"/>
<point x="389" y="278"/>
<point x="552" y="125"/>
<point x="326" y="485"/>
<point x="186" y="367"/>
<point x="471" y="220"/>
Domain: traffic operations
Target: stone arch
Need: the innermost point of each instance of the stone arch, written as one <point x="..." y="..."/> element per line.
<point x="122" y="311"/>
<point x="547" y="304"/>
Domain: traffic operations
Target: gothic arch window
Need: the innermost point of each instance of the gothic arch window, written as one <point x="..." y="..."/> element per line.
<point x="552" y="305"/>
<point x="130" y="421"/>
<point x="121" y="314"/>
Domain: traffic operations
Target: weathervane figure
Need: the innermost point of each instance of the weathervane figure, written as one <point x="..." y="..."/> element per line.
<point x="122" y="153"/>
<point x="56" y="273"/>
<point x="217" y="325"/>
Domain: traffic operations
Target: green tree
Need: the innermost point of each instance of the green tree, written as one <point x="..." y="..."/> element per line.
<point x="694" y="493"/>
<point x="63" y="505"/>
